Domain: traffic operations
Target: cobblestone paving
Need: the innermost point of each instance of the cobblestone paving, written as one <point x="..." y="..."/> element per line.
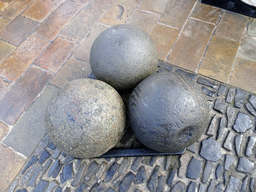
<point x="223" y="159"/>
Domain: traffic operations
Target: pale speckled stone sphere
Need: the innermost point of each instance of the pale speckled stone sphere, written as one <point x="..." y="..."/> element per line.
<point x="122" y="56"/>
<point x="86" y="118"/>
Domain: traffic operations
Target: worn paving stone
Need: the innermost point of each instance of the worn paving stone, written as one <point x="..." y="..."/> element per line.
<point x="222" y="125"/>
<point x="247" y="49"/>
<point x="178" y="187"/>
<point x="58" y="19"/>
<point x="245" y="165"/>
<point x="32" y="180"/>
<point x="239" y="98"/>
<point x="124" y="166"/>
<point x="229" y="160"/>
<point x="79" y="175"/>
<point x="231" y="115"/>
<point x="192" y="187"/>
<point x="141" y="176"/>
<point x="41" y="186"/>
<point x="228" y="144"/>
<point x="207" y="172"/>
<point x="21" y="95"/>
<point x="242" y="75"/>
<point x="250" y="108"/>
<point x="44" y="155"/>
<point x="67" y="173"/>
<point x="233" y="184"/>
<point x="136" y="163"/>
<point x="252" y="100"/>
<point x="189" y="50"/>
<point x="153" y="179"/>
<point x="14" y="9"/>
<point x="221" y="52"/>
<point x="71" y="70"/>
<point x="119" y="12"/>
<point x="243" y="123"/>
<point x="111" y="172"/>
<point x="232" y="26"/>
<point x="154" y="6"/>
<point x="194" y="168"/>
<point x="27" y="175"/>
<point x="143" y="20"/>
<point x="222" y="89"/>
<point x="31" y="162"/>
<point x="30" y="129"/>
<point x="218" y="171"/>
<point x="55" y="55"/>
<point x="250" y="145"/>
<point x="5" y="49"/>
<point x="53" y="167"/>
<point x="171" y="177"/>
<point x="218" y="188"/>
<point x="220" y="106"/>
<point x="211" y="150"/>
<point x="176" y="12"/>
<point x="208" y="92"/>
<point x="51" y="186"/>
<point x="92" y="168"/>
<point x="39" y="10"/>
<point x="21" y="58"/>
<point x="207" y="82"/>
<point x="101" y="170"/>
<point x="18" y="30"/>
<point x="206" y="12"/>
<point x="213" y="126"/>
<point x="202" y="188"/>
<point x="161" y="183"/>
<point x="10" y="164"/>
<point x="126" y="182"/>
<point x="83" y="51"/>
<point x="251" y="186"/>
<point x="192" y="148"/>
<point x="231" y="95"/>
<point x="56" y="154"/>
<point x="56" y="172"/>
<point x="164" y="38"/>
<point x="85" y="20"/>
<point x="82" y="187"/>
<point x="244" y="184"/>
<point x="238" y="142"/>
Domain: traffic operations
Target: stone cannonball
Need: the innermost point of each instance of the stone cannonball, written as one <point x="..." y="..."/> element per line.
<point x="86" y="118"/>
<point x="168" y="112"/>
<point x="123" y="56"/>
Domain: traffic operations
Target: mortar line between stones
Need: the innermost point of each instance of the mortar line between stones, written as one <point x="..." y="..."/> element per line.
<point x="209" y="41"/>
<point x="182" y="29"/>
<point x="16" y="152"/>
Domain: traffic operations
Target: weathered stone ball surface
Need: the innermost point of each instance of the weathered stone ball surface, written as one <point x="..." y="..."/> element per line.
<point x="86" y="118"/>
<point x="123" y="56"/>
<point x="168" y="112"/>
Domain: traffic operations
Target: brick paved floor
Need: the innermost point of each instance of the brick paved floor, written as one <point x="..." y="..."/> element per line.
<point x="45" y="43"/>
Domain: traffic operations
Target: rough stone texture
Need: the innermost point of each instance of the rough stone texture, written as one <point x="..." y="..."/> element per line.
<point x="244" y="184"/>
<point x="86" y="118"/>
<point x="243" y="123"/>
<point x="250" y="145"/>
<point x="213" y="126"/>
<point x="231" y="95"/>
<point x="245" y="165"/>
<point x="218" y="171"/>
<point x="211" y="150"/>
<point x="126" y="50"/>
<point x="233" y="184"/>
<point x="228" y="144"/>
<point x="238" y="141"/>
<point x="173" y="134"/>
<point x="229" y="160"/>
<point x="207" y="171"/>
<point x="252" y="100"/>
<point x="141" y="176"/>
<point x="239" y="98"/>
<point x="194" y="169"/>
<point x="220" y="106"/>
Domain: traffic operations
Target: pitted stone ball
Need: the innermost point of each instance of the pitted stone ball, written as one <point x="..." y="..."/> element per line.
<point x="168" y="112"/>
<point x="86" y="118"/>
<point x="123" y="56"/>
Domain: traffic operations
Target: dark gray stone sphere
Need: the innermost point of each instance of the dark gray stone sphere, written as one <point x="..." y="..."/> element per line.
<point x="86" y="118"/>
<point x="168" y="112"/>
<point x="123" y="56"/>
